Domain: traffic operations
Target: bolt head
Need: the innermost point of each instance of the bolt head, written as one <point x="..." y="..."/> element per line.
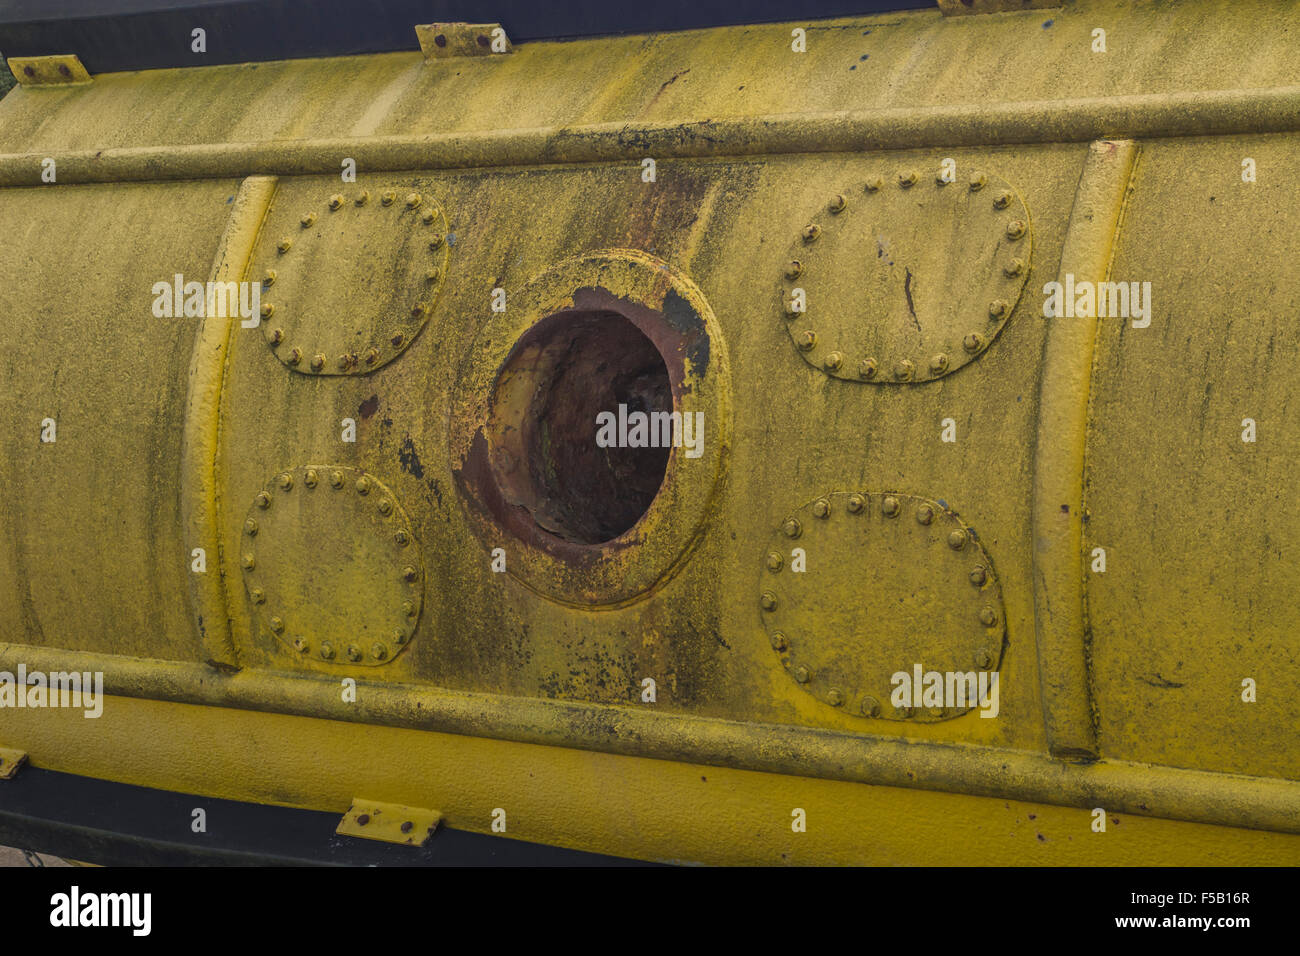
<point x="385" y="506"/>
<point x="250" y="527"/>
<point x="336" y="479"/>
<point x="983" y="659"/>
<point x="908" y="178"/>
<point x="247" y="561"/>
<point x="774" y="561"/>
<point x="277" y="625"/>
<point x="837" y="204"/>
<point x="335" y="201"/>
<point x="867" y="368"/>
<point x="988" y="616"/>
<point x="428" y="217"/>
<point x="317" y="362"/>
<point x="977" y="181"/>
<point x="399" y="636"/>
<point x="388" y="197"/>
<point x="937" y="712"/>
<point x="295" y="357"/>
<point x="889" y="507"/>
<point x="1013" y="268"/>
<point x="413" y="200"/>
<point x="821" y="508"/>
<point x="957" y="540"/>
<point x="407" y="826"/>
<point x="258" y="596"/>
<point x="310" y="478"/>
<point x="793" y="269"/>
<point x="327" y="651"/>
<point x="432" y="276"/>
<point x="1002" y="200"/>
<point x="372" y="356"/>
<point x="874" y="183"/>
<point x="363" y="485"/>
<point x="277" y="336"/>
<point x="402" y="537"/>
<point x="362" y="198"/>
<point x="284" y="244"/>
<point x="285" y="481"/>
<point x="939" y="364"/>
<point x="834" y="697"/>
<point x="870" y="707"/>
<point x="767" y="601"/>
<point x="779" y="641"/>
<point x="924" y="514"/>
<point x="997" y="308"/>
<point x="972" y="342"/>
<point x="856" y="503"/>
<point x="263" y="500"/>
<point x="363" y="819"/>
<point x="354" y="653"/>
<point x="269" y="278"/>
<point x="811" y="232"/>
<point x="308" y="220"/>
<point x="801" y="674"/>
<point x="300" y="645"/>
<point x="435" y="243"/>
<point x="903" y="370"/>
<point x="806" y="340"/>
<point x="833" y="361"/>
<point x="408" y="609"/>
<point x="1015" y="228"/>
<point x="409" y="573"/>
<point x="379" y="652"/>
<point x="792" y="528"/>
<point x="978" y="576"/>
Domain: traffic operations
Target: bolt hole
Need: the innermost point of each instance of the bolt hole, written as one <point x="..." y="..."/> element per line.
<point x="564" y="372"/>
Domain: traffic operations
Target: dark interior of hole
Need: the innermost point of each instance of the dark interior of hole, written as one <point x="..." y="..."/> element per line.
<point x="589" y="362"/>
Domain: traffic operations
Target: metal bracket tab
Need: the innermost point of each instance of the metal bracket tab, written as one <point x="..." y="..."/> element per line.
<point x="62" y="70"/>
<point x="11" y="761"/>
<point x="441" y="40"/>
<point x="389" y="822"/>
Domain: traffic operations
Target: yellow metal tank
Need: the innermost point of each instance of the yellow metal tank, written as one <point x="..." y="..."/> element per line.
<point x="596" y="442"/>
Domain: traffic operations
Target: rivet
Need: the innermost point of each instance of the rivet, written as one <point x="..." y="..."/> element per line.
<point x="310" y="478"/>
<point x="792" y="528"/>
<point x="801" y="674"/>
<point x="365" y="817"/>
<point x="856" y="503"/>
<point x="978" y="576"/>
<point x="385" y="506"/>
<point x="268" y="310"/>
<point x="834" y="697"/>
<point x="435" y="243"/>
<point x="811" y="232"/>
<point x="774" y="561"/>
<point x="29" y="71"/>
<point x="363" y="485"/>
<point x="938" y="364"/>
<point x="821" y="508"/>
<point x="1002" y="200"/>
<point x="983" y="659"/>
<point x="263" y="499"/>
<point x="408" y="609"/>
<point x="399" y="637"/>
<point x="988" y="616"/>
<point x="806" y="340"/>
<point x="957" y="540"/>
<point x="295" y="357"/>
<point x="250" y="527"/>
<point x="326" y="651"/>
<point x="409" y="573"/>
<point x="925" y="514"/>
<point x="1013" y="268"/>
<point x="362" y="198"/>
<point x="867" y="368"/>
<point x="889" y="507"/>
<point x="277" y="625"/>
<point x="1015" y="228"/>
<point x="972" y="342"/>
<point x="317" y="362"/>
<point x="388" y="197"/>
<point x="284" y="244"/>
<point x="285" y="481"/>
<point x="836" y="204"/>
<point x="335" y="201"/>
<point x="937" y="712"/>
<point x="906" y="712"/>
<point x="336" y="479"/>
<point x="379" y="652"/>
<point x="345" y="361"/>
<point x="354" y="652"/>
<point x="997" y="308"/>
<point x="903" y="370"/>
<point x="779" y="642"/>
<point x="941" y="178"/>
<point x="768" y="601"/>
<point x="258" y="596"/>
<point x="870" y="707"/>
<point x="793" y="269"/>
<point x="432" y="276"/>
<point x="402" y="537"/>
<point x="429" y="216"/>
<point x="908" y="178"/>
<point x="833" y="361"/>
<point x="398" y="339"/>
<point x="277" y="336"/>
<point x="407" y="826"/>
<point x="417" y="310"/>
<point x="372" y="356"/>
<point x="874" y="183"/>
<point x="977" y="181"/>
<point x="247" y="562"/>
<point x="269" y="278"/>
<point x="300" y="645"/>
<point x="308" y="220"/>
<point x="413" y="200"/>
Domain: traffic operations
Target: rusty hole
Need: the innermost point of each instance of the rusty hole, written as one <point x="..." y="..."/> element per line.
<point x="563" y="373"/>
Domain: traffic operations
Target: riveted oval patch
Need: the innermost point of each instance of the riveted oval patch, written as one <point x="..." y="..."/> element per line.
<point x="349" y="279"/>
<point x="905" y="279"/>
<point x="856" y="587"/>
<point x="331" y="567"/>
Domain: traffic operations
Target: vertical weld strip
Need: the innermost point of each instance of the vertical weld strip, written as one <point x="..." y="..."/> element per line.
<point x="1057" y="518"/>
<point x="201" y="438"/>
